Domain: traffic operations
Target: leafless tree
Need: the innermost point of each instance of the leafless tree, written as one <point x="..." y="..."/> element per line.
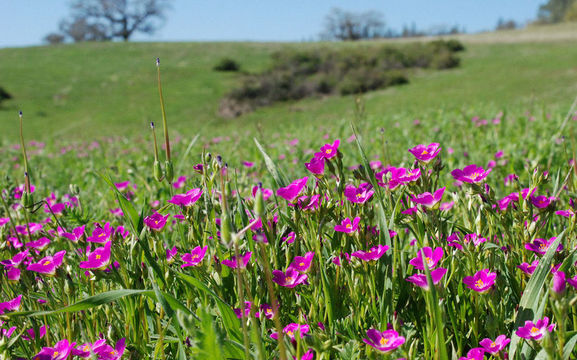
<point x="345" y="25"/>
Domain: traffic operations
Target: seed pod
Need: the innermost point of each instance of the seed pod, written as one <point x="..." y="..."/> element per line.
<point x="157" y="171"/>
<point x="259" y="207"/>
<point x="225" y="228"/>
<point x="27" y="199"/>
<point x="168" y="171"/>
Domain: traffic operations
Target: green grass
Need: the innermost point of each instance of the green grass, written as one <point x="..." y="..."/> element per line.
<point x="94" y="90"/>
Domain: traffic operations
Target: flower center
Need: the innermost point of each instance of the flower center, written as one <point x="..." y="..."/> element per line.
<point x="47" y="262"/>
<point x="98" y="257"/>
<point x="383" y="341"/>
<point x="55" y="353"/>
<point x="288" y="279"/>
<point x="424" y="152"/>
<point x="302" y="264"/>
<point x="359" y="195"/>
<point x="269" y="311"/>
<point x="349" y="226"/>
<point x="290" y="333"/>
<point x="479" y="283"/>
<point x="534" y="330"/>
<point x="493" y="344"/>
<point x="429" y="261"/>
<point x="328" y="151"/>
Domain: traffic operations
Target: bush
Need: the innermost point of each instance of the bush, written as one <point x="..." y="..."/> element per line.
<point x="226" y="64"/>
<point x="4" y="95"/>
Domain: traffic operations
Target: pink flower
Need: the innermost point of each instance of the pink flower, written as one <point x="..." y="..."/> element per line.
<point x="266" y="193"/>
<point x="98" y="259"/>
<point x="572" y="281"/>
<point x="316" y="165"/>
<point x="559" y="282"/>
<point x="385" y="341"/>
<point x="528" y="269"/>
<point x="16" y="259"/>
<point x="482" y="281"/>
<point x="233" y="263"/>
<point x="74" y="236"/>
<point x="541" y="201"/>
<point x="291" y="330"/>
<point x="397" y="176"/>
<point x="39" y="244"/>
<point x="60" y="351"/>
<point x="156" y="221"/>
<point x="289" y="279"/>
<point x="290" y="238"/>
<point x="359" y="195"/>
<point x="429" y="200"/>
<point x="49" y="264"/>
<point x="375" y="253"/>
<point x="432" y="258"/>
<point x="475" y="239"/>
<point x="195" y="257"/>
<point x="347" y="227"/>
<point x="535" y="331"/>
<point x="267" y="310"/>
<point x="106" y="352"/>
<point x="565" y="213"/>
<point x="239" y="313"/>
<point x="471" y="174"/>
<point x="291" y="192"/>
<point x="329" y="151"/>
<point x="540" y="246"/>
<point x="474" y="354"/>
<point x="11" y="305"/>
<point x="171" y="254"/>
<point x="248" y="164"/>
<point x="447" y="206"/>
<point x="101" y="234"/>
<point x="186" y="199"/>
<point x="421" y="279"/>
<point x="493" y="347"/>
<point x="302" y="263"/>
<point x="4" y="221"/>
<point x="425" y="153"/>
<point x="179" y="183"/>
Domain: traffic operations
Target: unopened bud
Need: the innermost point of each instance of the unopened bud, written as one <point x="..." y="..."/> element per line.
<point x="225" y="228"/>
<point x="157" y="171"/>
<point x="168" y="171"/>
<point x="157" y="61"/>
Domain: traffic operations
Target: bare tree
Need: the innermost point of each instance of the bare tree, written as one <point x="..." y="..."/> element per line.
<point x="345" y="25"/>
<point x="79" y="29"/>
<point x="120" y="19"/>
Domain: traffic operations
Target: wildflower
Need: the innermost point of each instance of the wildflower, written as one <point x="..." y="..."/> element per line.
<point x="359" y="195"/>
<point x="156" y="221"/>
<point x="179" y="183"/>
<point x="302" y="263"/>
<point x="329" y="151"/>
<point x="447" y="206"/>
<point x="475" y="239"/>
<point x="482" y="281"/>
<point x="541" y="201"/>
<point x="242" y="262"/>
<point x="16" y="259"/>
<point x="11" y="305"/>
<point x="540" y="246"/>
<point x="289" y="279"/>
<point x="347" y="227"/>
<point x="73" y="236"/>
<point x="291" y="192"/>
<point x="397" y="176"/>
<point x="171" y="254"/>
<point x="267" y="310"/>
<point x="101" y="234"/>
<point x="572" y="281"/>
<point x="565" y="213"/>
<point x="195" y="257"/>
<point x="528" y="269"/>
<point x="559" y="282"/>
<point x="421" y="279"/>
<point x="266" y="193"/>
<point x="39" y="244"/>
<point x="471" y="174"/>
<point x="60" y="351"/>
<point x="98" y="259"/>
<point x="238" y="312"/>
<point x="49" y="264"/>
<point x="106" y="352"/>
<point x="375" y="253"/>
<point x="186" y="199"/>
<point x="316" y="165"/>
<point x="535" y="331"/>
<point x="427" y="199"/>
<point x="432" y="258"/>
<point x="425" y="153"/>
<point x="291" y="329"/>
<point x="474" y="354"/>
<point x="385" y="341"/>
<point x="493" y="347"/>
<point x="290" y="238"/>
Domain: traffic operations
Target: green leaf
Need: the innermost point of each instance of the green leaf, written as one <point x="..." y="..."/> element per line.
<point x="277" y="173"/>
<point x="130" y="213"/>
<point x="569" y="346"/>
<point x="529" y="303"/>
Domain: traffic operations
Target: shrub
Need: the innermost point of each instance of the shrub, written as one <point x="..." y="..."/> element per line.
<point x="4" y="95"/>
<point x="227" y="64"/>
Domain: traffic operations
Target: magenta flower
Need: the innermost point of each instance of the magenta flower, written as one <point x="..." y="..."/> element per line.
<point x="385" y="341"/>
<point x="98" y="259"/>
<point x="4" y="221"/>
<point x="11" y="305"/>
<point x="291" y="192"/>
<point x="49" y="264"/>
<point x="429" y="200"/>
<point x="291" y="330"/>
<point x="528" y="269"/>
<point x="316" y="165"/>
<point x="156" y="221"/>
<point x="559" y="282"/>
<point x="493" y="347"/>
<point x="13" y="274"/>
<point x="565" y="213"/>
<point x="267" y="311"/>
<point x="397" y="176"/>
<point x="179" y="183"/>
<point x="60" y="351"/>
<point x="289" y="279"/>
<point x="186" y="199"/>
<point x="425" y="153"/>
<point x="475" y="239"/>
<point x="101" y="234"/>
<point x="375" y="253"/>
<point x="540" y="246"/>
<point x="347" y="227"/>
<point x="290" y="238"/>
<point x="39" y="244"/>
<point x="541" y="201"/>
<point x="195" y="257"/>
<point x="16" y="259"/>
<point x="329" y="151"/>
<point x="359" y="195"/>
<point x="302" y="263"/>
<point x="266" y="193"/>
<point x="239" y="313"/>
<point x="421" y="279"/>
<point x="474" y="354"/>
<point x="482" y="281"/>
<point x="471" y="174"/>
<point x="242" y="262"/>
<point x="75" y="235"/>
<point x="171" y="254"/>
<point x="106" y="352"/>
<point x="535" y="331"/>
<point x="572" y="281"/>
<point x="432" y="258"/>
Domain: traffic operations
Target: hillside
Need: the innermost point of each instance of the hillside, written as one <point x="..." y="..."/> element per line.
<point x="100" y="89"/>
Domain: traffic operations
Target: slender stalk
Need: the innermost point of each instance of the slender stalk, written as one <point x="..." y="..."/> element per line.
<point x="164" y="124"/>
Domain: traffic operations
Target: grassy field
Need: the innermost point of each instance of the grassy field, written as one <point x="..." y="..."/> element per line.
<point x="93" y="90"/>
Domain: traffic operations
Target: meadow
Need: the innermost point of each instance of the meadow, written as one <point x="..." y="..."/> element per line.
<point x="430" y="221"/>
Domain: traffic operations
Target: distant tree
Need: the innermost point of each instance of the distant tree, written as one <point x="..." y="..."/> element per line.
<point x="571" y="13"/>
<point x="79" y="29"/>
<point x="4" y="95"/>
<point x="503" y="24"/>
<point x="553" y="11"/>
<point x="345" y="25"/>
<point x="54" y="38"/>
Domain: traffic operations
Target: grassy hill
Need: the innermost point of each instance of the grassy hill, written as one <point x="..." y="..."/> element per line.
<point x="99" y="89"/>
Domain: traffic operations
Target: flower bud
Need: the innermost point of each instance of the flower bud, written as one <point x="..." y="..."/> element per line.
<point x="168" y="171"/>
<point x="259" y="207"/>
<point x="225" y="228"/>
<point x="157" y="171"/>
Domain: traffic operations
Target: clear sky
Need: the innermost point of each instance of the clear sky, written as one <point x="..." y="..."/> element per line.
<point x="26" y="22"/>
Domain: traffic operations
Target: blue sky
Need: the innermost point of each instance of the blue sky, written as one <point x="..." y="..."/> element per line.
<point x="26" y="22"/>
